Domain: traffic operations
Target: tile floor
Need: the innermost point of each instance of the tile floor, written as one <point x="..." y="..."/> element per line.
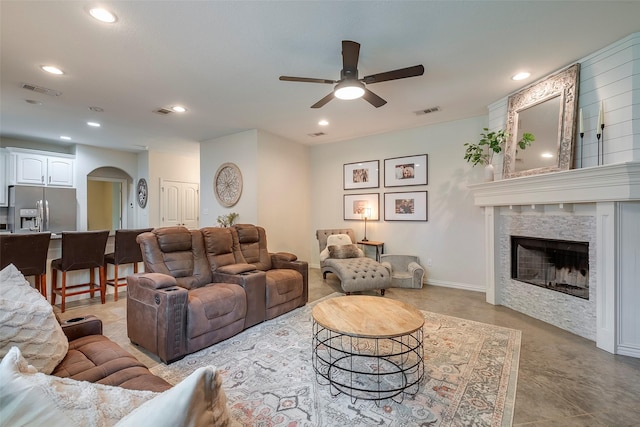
<point x="564" y="380"/>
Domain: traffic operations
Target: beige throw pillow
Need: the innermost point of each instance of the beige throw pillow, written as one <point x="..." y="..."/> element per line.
<point x="27" y="321"/>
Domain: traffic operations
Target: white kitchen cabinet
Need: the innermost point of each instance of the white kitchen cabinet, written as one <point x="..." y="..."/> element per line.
<point x="4" y="171"/>
<point x="40" y="168"/>
<point x="179" y="204"/>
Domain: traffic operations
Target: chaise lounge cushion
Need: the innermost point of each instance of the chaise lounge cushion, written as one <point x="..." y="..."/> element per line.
<point x="27" y="321"/>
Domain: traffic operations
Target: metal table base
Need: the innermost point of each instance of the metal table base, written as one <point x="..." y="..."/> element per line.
<point x="368" y="368"/>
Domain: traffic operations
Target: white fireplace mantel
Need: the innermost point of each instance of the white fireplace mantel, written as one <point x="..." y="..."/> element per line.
<point x="608" y="183"/>
<point x="617" y="238"/>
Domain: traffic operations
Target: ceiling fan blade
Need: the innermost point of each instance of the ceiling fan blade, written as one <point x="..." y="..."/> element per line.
<point x="373" y="99"/>
<point x="306" y="80"/>
<point x="402" y="73"/>
<point x="350" y="54"/>
<point x="323" y="101"/>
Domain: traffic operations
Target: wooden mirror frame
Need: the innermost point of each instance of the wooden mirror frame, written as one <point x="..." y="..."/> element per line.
<point x="564" y="83"/>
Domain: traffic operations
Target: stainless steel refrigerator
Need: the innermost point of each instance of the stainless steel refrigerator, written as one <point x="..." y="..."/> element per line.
<point x="33" y="209"/>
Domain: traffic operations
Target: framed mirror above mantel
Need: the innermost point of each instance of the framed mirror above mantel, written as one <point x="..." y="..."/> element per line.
<point x="548" y="110"/>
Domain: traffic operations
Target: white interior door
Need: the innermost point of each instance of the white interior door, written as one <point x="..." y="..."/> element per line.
<point x="190" y="205"/>
<point x="180" y="204"/>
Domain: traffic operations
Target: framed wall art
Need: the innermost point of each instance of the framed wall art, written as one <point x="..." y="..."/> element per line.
<point x="362" y="175"/>
<point x="405" y="171"/>
<point x="357" y="205"/>
<point x="405" y="206"/>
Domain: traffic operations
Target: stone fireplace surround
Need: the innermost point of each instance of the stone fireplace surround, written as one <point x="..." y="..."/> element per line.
<point x="599" y="205"/>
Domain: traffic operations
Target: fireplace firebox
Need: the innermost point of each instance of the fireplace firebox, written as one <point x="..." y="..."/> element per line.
<point x="558" y="265"/>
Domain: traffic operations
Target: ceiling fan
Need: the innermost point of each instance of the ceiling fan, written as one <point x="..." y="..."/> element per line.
<point x="349" y="86"/>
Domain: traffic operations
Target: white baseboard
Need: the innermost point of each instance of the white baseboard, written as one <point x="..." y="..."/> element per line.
<point x="456" y="285"/>
<point x="628" y="351"/>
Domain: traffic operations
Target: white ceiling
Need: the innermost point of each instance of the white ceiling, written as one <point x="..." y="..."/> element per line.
<point x="222" y="60"/>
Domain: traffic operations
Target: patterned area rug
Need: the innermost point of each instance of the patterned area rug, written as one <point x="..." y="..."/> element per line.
<point x="470" y="377"/>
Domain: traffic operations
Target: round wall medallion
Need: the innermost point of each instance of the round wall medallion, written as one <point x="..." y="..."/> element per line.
<point x="227" y="184"/>
<point x="143" y="192"/>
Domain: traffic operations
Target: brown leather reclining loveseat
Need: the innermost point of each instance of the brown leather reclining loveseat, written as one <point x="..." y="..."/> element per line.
<point x="203" y="286"/>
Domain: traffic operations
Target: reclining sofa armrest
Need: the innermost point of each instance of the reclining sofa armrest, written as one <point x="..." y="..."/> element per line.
<point x="157" y="315"/>
<point x="153" y="280"/>
<point x="283" y="256"/>
<point x="300" y="266"/>
<point x="79" y="327"/>
<point x="254" y="283"/>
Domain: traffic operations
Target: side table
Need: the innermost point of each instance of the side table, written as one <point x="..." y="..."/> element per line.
<point x="378" y="245"/>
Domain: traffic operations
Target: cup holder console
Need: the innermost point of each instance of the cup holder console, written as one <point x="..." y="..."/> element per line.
<point x="246" y="273"/>
<point x="75" y="320"/>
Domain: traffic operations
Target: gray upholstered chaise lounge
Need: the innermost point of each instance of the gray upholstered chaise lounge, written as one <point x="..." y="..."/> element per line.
<point x="340" y="256"/>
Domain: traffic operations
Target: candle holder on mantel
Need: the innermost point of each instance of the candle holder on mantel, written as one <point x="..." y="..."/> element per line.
<point x="602" y="135"/>
<point x="581" y="149"/>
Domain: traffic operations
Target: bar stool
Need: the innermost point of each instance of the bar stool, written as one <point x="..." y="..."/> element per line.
<point x="81" y="250"/>
<point x="28" y="252"/>
<point x="126" y="251"/>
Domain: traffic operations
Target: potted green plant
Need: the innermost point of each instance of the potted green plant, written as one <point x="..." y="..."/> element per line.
<point x="227" y="220"/>
<point x="490" y="143"/>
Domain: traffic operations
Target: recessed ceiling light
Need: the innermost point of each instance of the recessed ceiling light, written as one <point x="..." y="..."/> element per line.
<point x="323" y="122"/>
<point x="521" y="76"/>
<point x="66" y="138"/>
<point x="547" y="155"/>
<point x="103" y="15"/>
<point x="178" y="109"/>
<point x="94" y="124"/>
<point x="51" y="69"/>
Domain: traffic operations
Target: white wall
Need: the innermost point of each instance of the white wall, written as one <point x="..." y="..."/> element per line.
<point x="275" y="193"/>
<point x="241" y="149"/>
<point x="284" y="200"/>
<point x="171" y="166"/>
<point x="453" y="236"/>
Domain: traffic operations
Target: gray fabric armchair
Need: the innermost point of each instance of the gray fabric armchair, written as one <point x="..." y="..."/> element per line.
<point x="406" y="271"/>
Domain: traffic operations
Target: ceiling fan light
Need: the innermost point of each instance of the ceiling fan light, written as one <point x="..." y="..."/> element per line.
<point x="349" y="90"/>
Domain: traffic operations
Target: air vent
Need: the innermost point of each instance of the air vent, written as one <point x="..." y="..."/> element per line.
<point x="316" y="134"/>
<point x="40" y="89"/>
<point x="427" y="111"/>
<point x="163" y="111"/>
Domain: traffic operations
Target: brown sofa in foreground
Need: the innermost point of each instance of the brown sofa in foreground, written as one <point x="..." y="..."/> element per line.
<point x="203" y="286"/>
<point x="95" y="358"/>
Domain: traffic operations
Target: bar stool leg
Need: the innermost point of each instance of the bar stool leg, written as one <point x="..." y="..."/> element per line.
<point x="115" y="282"/>
<point x="103" y="284"/>
<point x="92" y="281"/>
<point x="63" y="292"/>
<point x="54" y="285"/>
<point x="41" y="281"/>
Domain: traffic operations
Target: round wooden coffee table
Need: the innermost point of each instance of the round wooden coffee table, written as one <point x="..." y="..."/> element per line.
<point x="368" y="347"/>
